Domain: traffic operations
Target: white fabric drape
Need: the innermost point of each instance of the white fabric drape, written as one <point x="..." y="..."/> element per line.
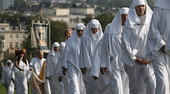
<point x="36" y="64"/>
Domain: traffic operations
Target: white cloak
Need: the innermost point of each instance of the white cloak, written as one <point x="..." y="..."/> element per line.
<point x="65" y="80"/>
<point x="7" y="73"/>
<point x="53" y="67"/>
<point x="159" y="35"/>
<point x="135" y="46"/>
<point x="116" y="80"/>
<point x="89" y="43"/>
<point x="71" y="63"/>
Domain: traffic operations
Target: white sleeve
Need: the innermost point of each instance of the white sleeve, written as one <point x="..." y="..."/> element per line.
<point x="85" y="60"/>
<point x="128" y="53"/>
<point x="32" y="63"/>
<point x="28" y="72"/>
<point x="155" y="38"/>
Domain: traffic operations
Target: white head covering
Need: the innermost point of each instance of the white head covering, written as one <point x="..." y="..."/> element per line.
<point x="124" y="10"/>
<point x="134" y="19"/>
<point x="56" y="44"/>
<point x="80" y="26"/>
<point x="74" y="36"/>
<point x="116" y="25"/>
<point x="140" y="2"/>
<point x="7" y="68"/>
<point x="162" y="3"/>
<point x="94" y="23"/>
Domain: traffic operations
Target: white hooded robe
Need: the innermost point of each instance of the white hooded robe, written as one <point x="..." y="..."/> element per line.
<point x="89" y="43"/>
<point x="71" y="63"/>
<point x="134" y="44"/>
<point x="53" y="67"/>
<point x="7" y="77"/>
<point x="108" y="57"/>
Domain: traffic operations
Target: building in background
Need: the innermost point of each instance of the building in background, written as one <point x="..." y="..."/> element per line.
<point x="5" y="4"/>
<point x="56" y="11"/>
<point x="11" y="38"/>
<point x="82" y="11"/>
<point x="71" y="16"/>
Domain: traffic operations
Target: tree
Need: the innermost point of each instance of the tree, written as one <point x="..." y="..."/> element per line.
<point x="87" y="19"/>
<point x="103" y="2"/>
<point x="104" y="19"/>
<point x="57" y="31"/>
<point x="91" y="1"/>
<point x="78" y="1"/>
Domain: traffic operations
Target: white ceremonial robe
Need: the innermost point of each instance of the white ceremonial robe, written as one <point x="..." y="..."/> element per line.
<point x="53" y="67"/>
<point x="7" y="73"/>
<point x="135" y="45"/>
<point x="21" y="78"/>
<point x="107" y="55"/>
<point x="103" y="80"/>
<point x="89" y="43"/>
<point x="71" y="63"/>
<point x="91" y="84"/>
<point x="110" y="59"/>
<point x="65" y="78"/>
<point x="141" y="77"/>
<point x="159" y="35"/>
<point x="36" y="64"/>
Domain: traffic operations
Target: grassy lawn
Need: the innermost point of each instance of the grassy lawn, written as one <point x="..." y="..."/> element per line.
<point x="3" y="90"/>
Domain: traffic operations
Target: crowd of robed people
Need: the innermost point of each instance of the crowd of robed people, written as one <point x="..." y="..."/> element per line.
<point x="130" y="57"/>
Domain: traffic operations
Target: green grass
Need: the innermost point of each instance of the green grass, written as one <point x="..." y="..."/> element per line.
<point x="3" y="90"/>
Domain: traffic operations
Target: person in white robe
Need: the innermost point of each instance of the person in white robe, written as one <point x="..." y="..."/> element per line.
<point x="67" y="34"/>
<point x="114" y="79"/>
<point x="159" y="37"/>
<point x="7" y="77"/>
<point x="22" y="73"/>
<point x="37" y="64"/>
<point x="64" y="78"/>
<point x="53" y="67"/>
<point x="91" y="36"/>
<point x="135" y="45"/>
<point x="71" y="62"/>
